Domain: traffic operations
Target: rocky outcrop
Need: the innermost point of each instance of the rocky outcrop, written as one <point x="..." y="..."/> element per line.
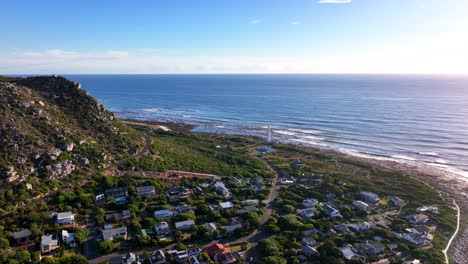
<point x="61" y="169"/>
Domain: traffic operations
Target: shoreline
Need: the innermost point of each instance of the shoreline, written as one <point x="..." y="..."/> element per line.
<point x="453" y="184"/>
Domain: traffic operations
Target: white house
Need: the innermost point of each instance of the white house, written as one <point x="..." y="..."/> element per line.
<point x="148" y="190"/>
<point x="68" y="238"/>
<point x="185" y="225"/>
<point x="111" y="234"/>
<point x="162" y="228"/>
<point x="332" y="211"/>
<point x="226" y="205"/>
<point x="65" y="218"/>
<point x="397" y="200"/>
<point x="307" y="213"/>
<point x="49" y="243"/>
<point x="369" y="197"/>
<point x="361" y="204"/>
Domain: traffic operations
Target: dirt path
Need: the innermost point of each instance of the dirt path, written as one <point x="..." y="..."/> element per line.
<point x="445" y="251"/>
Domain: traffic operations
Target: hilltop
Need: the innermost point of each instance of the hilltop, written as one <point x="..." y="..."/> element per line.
<point x="52" y="130"/>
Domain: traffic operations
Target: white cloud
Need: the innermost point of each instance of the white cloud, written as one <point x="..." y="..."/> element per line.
<point x="73" y="55"/>
<point x="334" y="1"/>
<point x="255" y="21"/>
<point x="295" y="23"/>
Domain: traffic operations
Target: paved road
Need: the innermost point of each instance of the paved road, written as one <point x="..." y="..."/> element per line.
<point x="84" y="179"/>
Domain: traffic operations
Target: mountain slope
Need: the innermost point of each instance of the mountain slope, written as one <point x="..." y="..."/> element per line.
<point x="52" y="129"/>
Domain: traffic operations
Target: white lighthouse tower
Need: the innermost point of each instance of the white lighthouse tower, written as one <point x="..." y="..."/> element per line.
<point x="269" y="134"/>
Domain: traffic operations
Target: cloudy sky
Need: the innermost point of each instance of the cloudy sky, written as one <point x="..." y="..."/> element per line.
<point x="240" y="36"/>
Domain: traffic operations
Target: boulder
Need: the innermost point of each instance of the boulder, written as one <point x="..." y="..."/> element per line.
<point x="61" y="169"/>
<point x="54" y="153"/>
<point x="67" y="146"/>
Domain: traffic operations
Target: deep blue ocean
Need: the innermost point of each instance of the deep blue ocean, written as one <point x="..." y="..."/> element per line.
<point x="408" y="118"/>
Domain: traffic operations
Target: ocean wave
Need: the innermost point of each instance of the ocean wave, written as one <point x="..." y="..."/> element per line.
<point x="434" y="154"/>
<point x="284" y="132"/>
<point x="403" y="157"/>
<point x="151" y="110"/>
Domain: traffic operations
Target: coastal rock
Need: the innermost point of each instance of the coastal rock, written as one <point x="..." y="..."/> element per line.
<point x="67" y="146"/>
<point x="61" y="169"/>
<point x="11" y="173"/>
<point x="53" y="154"/>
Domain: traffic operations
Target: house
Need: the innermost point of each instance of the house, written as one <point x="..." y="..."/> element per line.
<point x="22" y="237"/>
<point x="226" y="205"/>
<point x="178" y="193"/>
<point x="285" y="181"/>
<point x="417" y="219"/>
<point x="298" y="163"/>
<point x="122" y="216"/>
<point x="370" y="247"/>
<point x="111" y="234"/>
<point x="342" y="228"/>
<point x="65" y="218"/>
<point x="68" y="238"/>
<point x="362" y="226"/>
<point x="251" y="201"/>
<point x="397" y="200"/>
<point x="431" y="209"/>
<point x="310" y="241"/>
<point x="221" y="189"/>
<point x="224" y="258"/>
<point x="310" y="203"/>
<point x="117" y="192"/>
<point x="185" y="225"/>
<point x="369" y="197"/>
<point x="361" y="204"/>
<point x="234" y="223"/>
<point x="163" y="214"/>
<point x="332" y="211"/>
<point x="212" y="227"/>
<point x="129" y="258"/>
<point x="148" y="190"/>
<point x="307" y="213"/>
<point x="100" y="197"/>
<point x="108" y="226"/>
<point x="348" y="252"/>
<point x="415" y="238"/>
<point x="183" y="209"/>
<point x="162" y="228"/>
<point x="214" y="249"/>
<point x="330" y="196"/>
<point x="258" y="179"/>
<point x="158" y="257"/>
<point x="248" y="208"/>
<point x="308" y="250"/>
<point x="49" y="243"/>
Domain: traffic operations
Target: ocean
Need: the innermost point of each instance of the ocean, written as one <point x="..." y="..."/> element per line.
<point x="407" y="118"/>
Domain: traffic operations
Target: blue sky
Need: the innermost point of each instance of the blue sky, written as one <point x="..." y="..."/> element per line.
<point x="234" y="36"/>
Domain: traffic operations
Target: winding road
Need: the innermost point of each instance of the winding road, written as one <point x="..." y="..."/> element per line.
<point x="445" y="251"/>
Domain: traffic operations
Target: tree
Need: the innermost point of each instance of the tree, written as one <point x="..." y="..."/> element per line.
<point x="106" y="247"/>
<point x="270" y="247"/>
<point x="4" y="243"/>
<point x="273" y="260"/>
<point x="272" y="229"/>
<point x="180" y="246"/>
<point x="23" y="256"/>
<point x="81" y="235"/>
<point x="288" y="209"/>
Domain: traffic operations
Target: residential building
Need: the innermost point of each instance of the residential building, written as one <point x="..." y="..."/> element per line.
<point x="121" y="216"/>
<point x="310" y="203"/>
<point x="257" y="187"/>
<point x="332" y="211"/>
<point x="330" y="196"/>
<point x="163" y="214"/>
<point x="370" y="247"/>
<point x="183" y="209"/>
<point x="214" y="249"/>
<point x="117" y="192"/>
<point x="308" y="250"/>
<point x="236" y="181"/>
<point x="310" y="241"/>
<point x="68" y="238"/>
<point x="111" y="234"/>
<point x="162" y="229"/>
<point x="226" y="205"/>
<point x="362" y="226"/>
<point x="49" y="243"/>
<point x="148" y="190"/>
<point x="369" y="197"/>
<point x="22" y="237"/>
<point x="285" y="181"/>
<point x="224" y="258"/>
<point x="307" y="213"/>
<point x="417" y="219"/>
<point x="348" y="252"/>
<point x="129" y="258"/>
<point x="212" y="227"/>
<point x="185" y="225"/>
<point x="178" y="193"/>
<point x="221" y="189"/>
<point x="65" y="218"/>
<point x="431" y="209"/>
<point x="361" y="205"/>
<point x="158" y="257"/>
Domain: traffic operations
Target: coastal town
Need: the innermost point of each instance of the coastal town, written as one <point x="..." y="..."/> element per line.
<point x="217" y="219"/>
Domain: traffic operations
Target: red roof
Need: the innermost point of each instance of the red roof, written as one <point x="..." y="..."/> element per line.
<point x="215" y="248"/>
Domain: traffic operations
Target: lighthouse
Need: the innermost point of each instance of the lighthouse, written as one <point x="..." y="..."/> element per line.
<point x="269" y="134"/>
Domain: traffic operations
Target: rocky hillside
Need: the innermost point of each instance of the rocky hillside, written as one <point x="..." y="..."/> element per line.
<point x="51" y="129"/>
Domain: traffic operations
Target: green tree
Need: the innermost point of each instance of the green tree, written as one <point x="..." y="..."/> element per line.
<point x="106" y="247"/>
<point x="273" y="260"/>
<point x="4" y="243"/>
<point x="81" y="235"/>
